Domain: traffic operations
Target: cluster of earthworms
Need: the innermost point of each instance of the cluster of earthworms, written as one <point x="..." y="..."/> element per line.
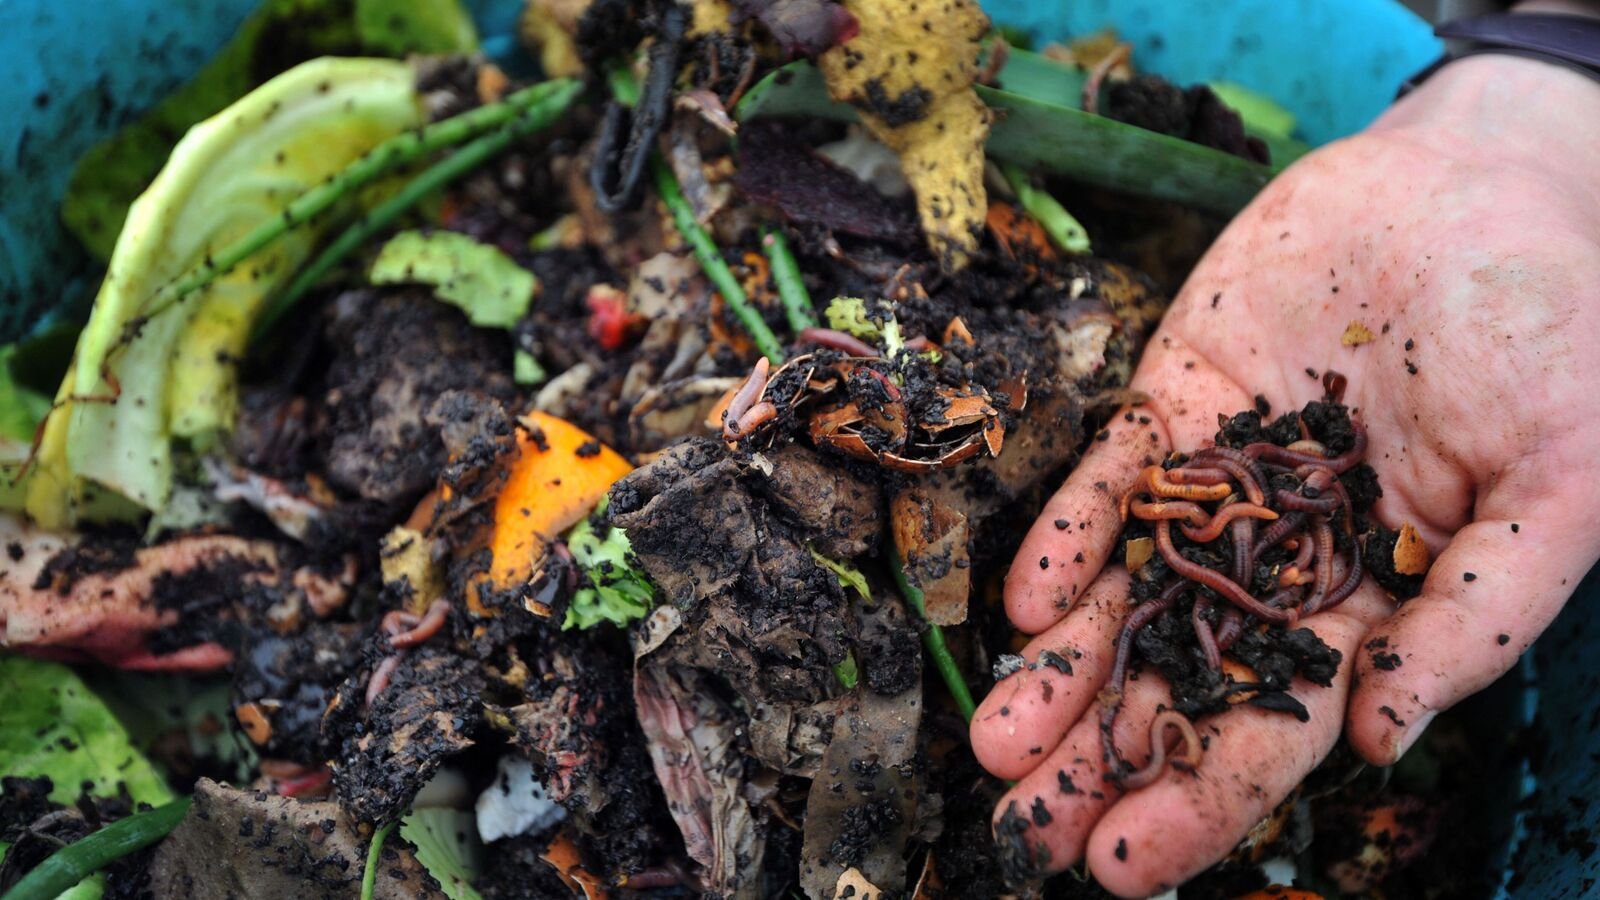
<point x="404" y="630"/>
<point x="1259" y="497"/>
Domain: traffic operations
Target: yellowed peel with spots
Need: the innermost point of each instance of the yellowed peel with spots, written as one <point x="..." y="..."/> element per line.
<point x="909" y="73"/>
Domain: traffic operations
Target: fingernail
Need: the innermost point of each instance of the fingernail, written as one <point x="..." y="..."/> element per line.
<point x="1418" y="725"/>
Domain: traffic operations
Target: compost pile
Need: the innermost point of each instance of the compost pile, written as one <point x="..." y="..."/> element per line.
<point x="650" y="493"/>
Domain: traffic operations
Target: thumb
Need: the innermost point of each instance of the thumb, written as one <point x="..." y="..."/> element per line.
<point x="1496" y="586"/>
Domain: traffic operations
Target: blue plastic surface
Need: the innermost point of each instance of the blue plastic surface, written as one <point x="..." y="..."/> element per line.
<point x="71" y="73"/>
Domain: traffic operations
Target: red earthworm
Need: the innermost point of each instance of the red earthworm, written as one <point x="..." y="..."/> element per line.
<point x="1293" y="574"/>
<point x="1197" y="475"/>
<point x="744" y="398"/>
<point x="1193" y="751"/>
<point x="921" y="344"/>
<point x="1202" y="631"/>
<point x="757" y="416"/>
<point x="1242" y="532"/>
<point x="1334" y="383"/>
<point x="1339" y="464"/>
<point x="380" y="677"/>
<point x="1097" y="75"/>
<point x="426" y="628"/>
<point x="1279" y="531"/>
<point x="305" y="784"/>
<point x="1154" y="481"/>
<point x="396" y="621"/>
<point x="1229" y="629"/>
<point x="1322" y="536"/>
<point x="1338" y="595"/>
<point x="889" y="387"/>
<point x="1111" y="697"/>
<point x="1290" y="500"/>
<point x="837" y="340"/>
<point x="1190" y="513"/>
<point x="1215" y="580"/>
<point x="1213" y="529"/>
<point x="1244" y="469"/>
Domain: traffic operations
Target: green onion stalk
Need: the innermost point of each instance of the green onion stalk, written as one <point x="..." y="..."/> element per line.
<point x="77" y="861"/>
<point x="712" y="263"/>
<point x="379" y="161"/>
<point x="470" y="156"/>
<point x="933" y="639"/>
<point x="786" y="274"/>
<point x="369" y="875"/>
<point x="1060" y="225"/>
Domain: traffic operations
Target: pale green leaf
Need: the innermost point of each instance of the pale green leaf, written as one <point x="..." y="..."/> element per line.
<point x="447" y="846"/>
<point x="479" y="279"/>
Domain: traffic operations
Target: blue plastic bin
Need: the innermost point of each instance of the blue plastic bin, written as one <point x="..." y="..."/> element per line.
<point x="71" y="73"/>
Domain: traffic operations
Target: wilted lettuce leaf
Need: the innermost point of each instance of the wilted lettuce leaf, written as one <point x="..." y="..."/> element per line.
<point x="483" y="282"/>
<point x="279" y="35"/>
<point x="52" y="724"/>
<point x="227" y="176"/>
<point x="619" y="591"/>
<point x="447" y="846"/>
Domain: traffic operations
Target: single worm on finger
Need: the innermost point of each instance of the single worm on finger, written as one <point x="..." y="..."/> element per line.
<point x="1188" y="761"/>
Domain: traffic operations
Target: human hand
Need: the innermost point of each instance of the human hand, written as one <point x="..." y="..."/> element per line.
<point x="1463" y="230"/>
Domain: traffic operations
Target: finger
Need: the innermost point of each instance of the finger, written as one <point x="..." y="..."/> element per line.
<point x="1042" y="824"/>
<point x="1485" y="600"/>
<point x="1157" y="837"/>
<point x="1027" y="713"/>
<point x="1074" y="536"/>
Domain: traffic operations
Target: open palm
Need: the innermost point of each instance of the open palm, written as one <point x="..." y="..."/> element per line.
<point x="1455" y="233"/>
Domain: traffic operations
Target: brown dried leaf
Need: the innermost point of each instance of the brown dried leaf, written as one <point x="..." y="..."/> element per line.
<point x="909" y="72"/>
<point x="1138" y="552"/>
<point x="855" y="886"/>
<point x="1411" y="555"/>
<point x="1356" y="334"/>
<point x="931" y="539"/>
<point x="994" y="436"/>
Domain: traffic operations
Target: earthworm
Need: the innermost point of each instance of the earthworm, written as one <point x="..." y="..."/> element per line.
<point x="837" y="340"/>
<point x="1290" y="500"/>
<point x="1153" y="480"/>
<point x="1213" y="529"/>
<point x="397" y="621"/>
<point x="1215" y="580"/>
<point x="744" y="398"/>
<point x="921" y="344"/>
<point x="380" y="677"/>
<point x="426" y="628"/>
<point x="1339" y="464"/>
<point x="1299" y="568"/>
<point x="1334" y="384"/>
<point x="1193" y="751"/>
<point x="1242" y="532"/>
<point x="757" y="416"/>
<point x="1111" y="701"/>
<point x="1202" y="631"/>
<point x="1244" y="469"/>
<point x="1197" y="475"/>
<point x="1279" y="531"/>
<point x="1322" y="536"/>
<point x="1098" y="73"/>
<point x="889" y="387"/>
<point x="1229" y="629"/>
<point x="1190" y="513"/>
<point x="304" y="784"/>
<point x="1338" y="595"/>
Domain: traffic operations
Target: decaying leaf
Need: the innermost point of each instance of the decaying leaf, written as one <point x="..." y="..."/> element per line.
<point x="1356" y="334"/>
<point x="1410" y="553"/>
<point x="910" y="72"/>
<point x="548" y="26"/>
<point x="931" y="539"/>
<point x="562" y="855"/>
<point x="929" y="885"/>
<point x="854" y="886"/>
<point x="405" y="556"/>
<point x="1137" y="552"/>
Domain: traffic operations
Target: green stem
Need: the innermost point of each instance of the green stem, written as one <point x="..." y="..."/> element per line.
<point x="457" y="164"/>
<point x="712" y="263"/>
<point x="369" y="876"/>
<point x="385" y="157"/>
<point x="933" y="639"/>
<point x="1064" y="230"/>
<point x="77" y="861"/>
<point x="786" y="273"/>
